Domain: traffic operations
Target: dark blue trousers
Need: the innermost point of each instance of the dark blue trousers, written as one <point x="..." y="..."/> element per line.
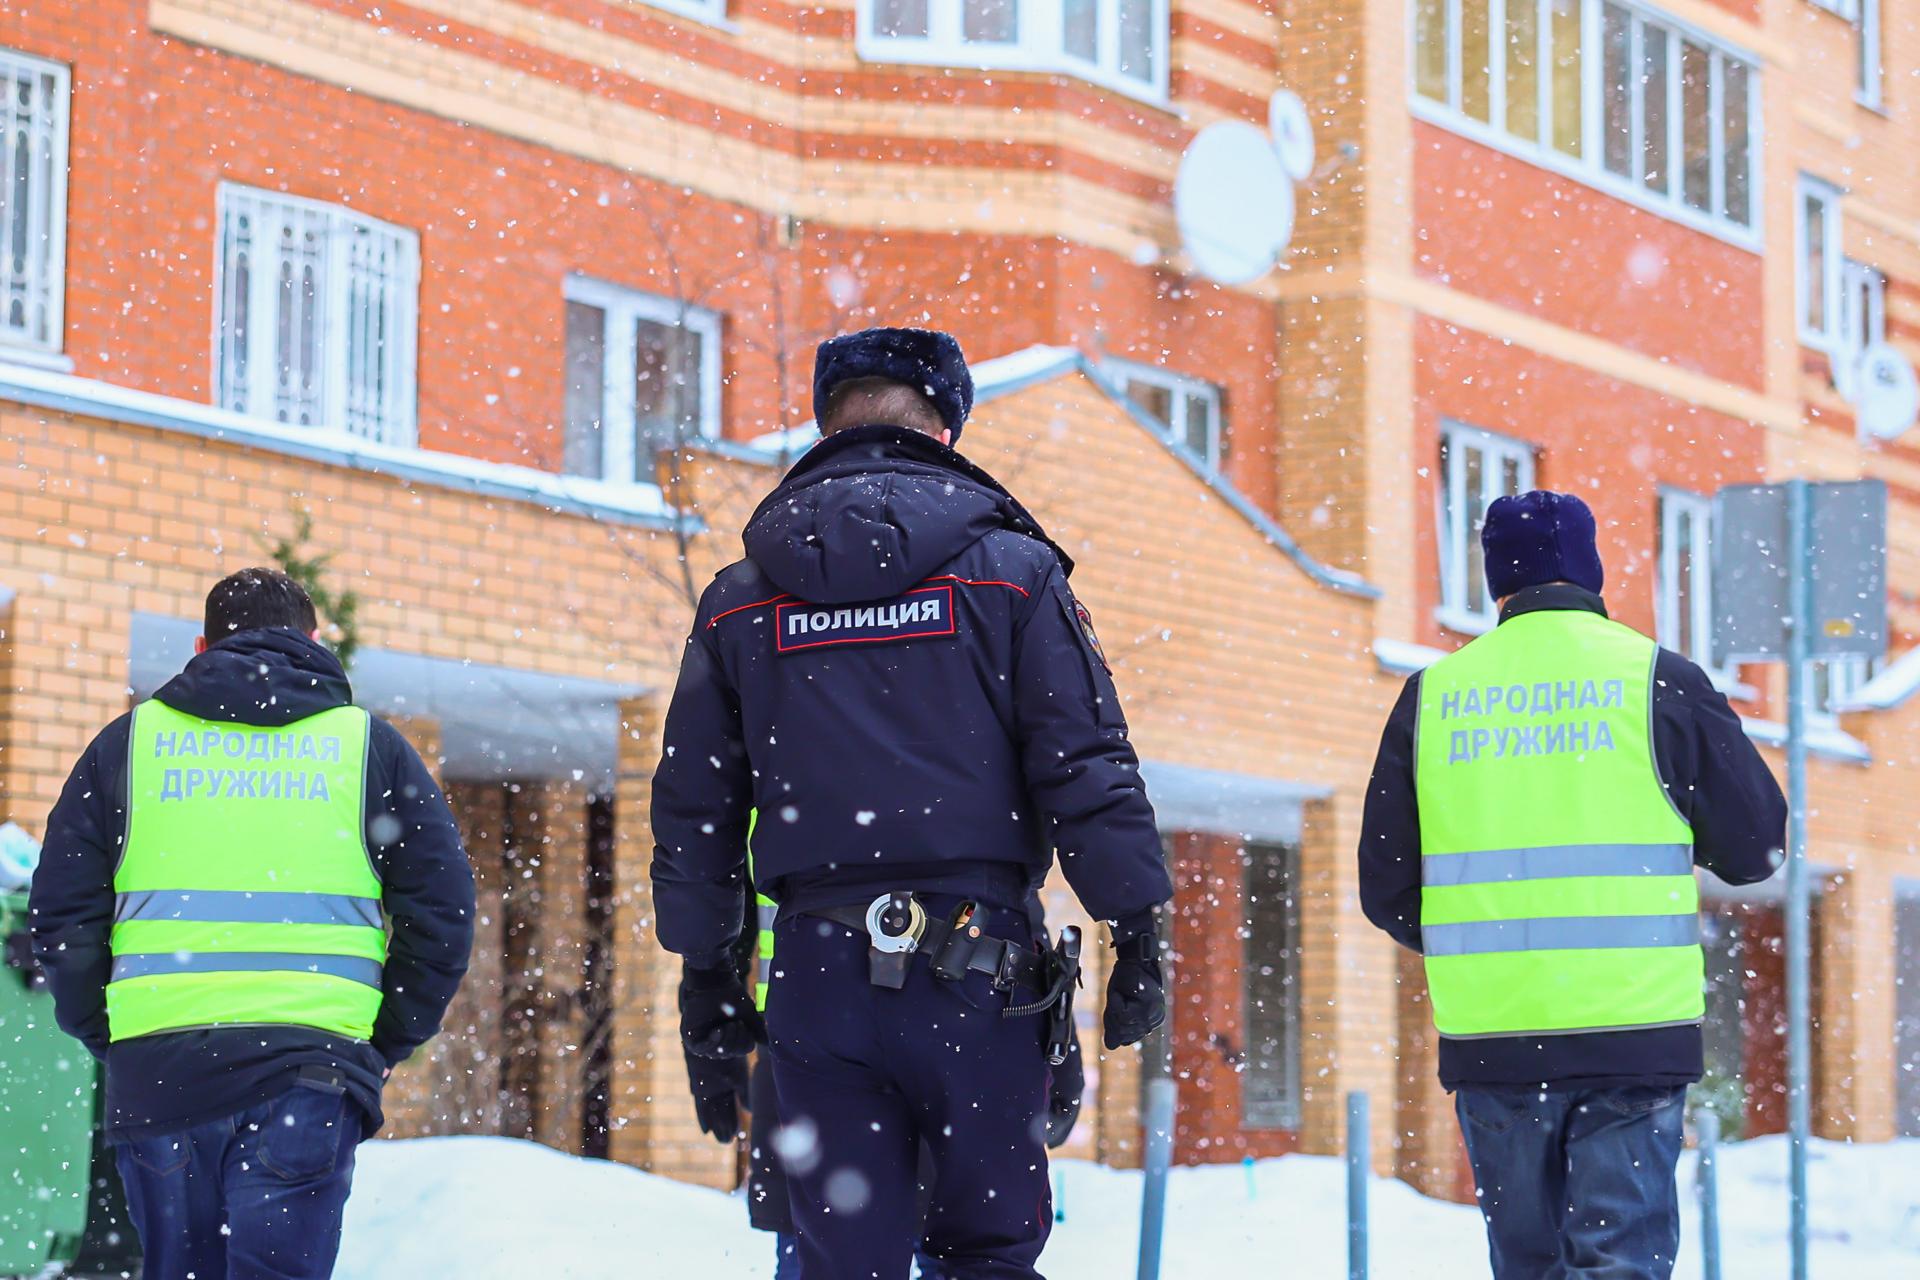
<point x="256" y="1196"/>
<point x="865" y="1075"/>
<point x="1578" y="1184"/>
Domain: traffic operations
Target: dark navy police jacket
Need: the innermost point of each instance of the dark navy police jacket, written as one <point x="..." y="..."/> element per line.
<point x="899" y="680"/>
<point x="1718" y="782"/>
<point x="175" y="1080"/>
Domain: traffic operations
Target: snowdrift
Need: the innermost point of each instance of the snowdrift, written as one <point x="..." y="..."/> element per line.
<point x="497" y="1209"/>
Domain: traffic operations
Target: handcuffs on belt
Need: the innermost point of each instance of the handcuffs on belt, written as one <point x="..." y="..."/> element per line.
<point x="898" y="927"/>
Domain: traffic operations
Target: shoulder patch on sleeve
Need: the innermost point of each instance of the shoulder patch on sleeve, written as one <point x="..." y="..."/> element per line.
<point x="1085" y="619"/>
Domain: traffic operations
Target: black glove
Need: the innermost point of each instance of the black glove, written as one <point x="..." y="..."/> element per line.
<point x="1136" y="994"/>
<point x="1064" y="1091"/>
<point x="718" y="1085"/>
<point x="717" y="1017"/>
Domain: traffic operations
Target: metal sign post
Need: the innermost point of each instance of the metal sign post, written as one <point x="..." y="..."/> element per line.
<point x="1799" y="1073"/>
<point x="1359" y="1171"/>
<point x="1773" y="600"/>
<point x="1162" y="1100"/>
<point x="1708" y="1181"/>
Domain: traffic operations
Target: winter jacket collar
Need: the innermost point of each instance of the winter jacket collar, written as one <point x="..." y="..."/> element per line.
<point x="872" y="510"/>
<point x="268" y="676"/>
<point x="1552" y="595"/>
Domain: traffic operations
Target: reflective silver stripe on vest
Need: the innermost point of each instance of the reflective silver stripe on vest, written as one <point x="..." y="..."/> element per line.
<point x="353" y="968"/>
<point x="236" y="906"/>
<point x="1556" y="862"/>
<point x="1559" y="933"/>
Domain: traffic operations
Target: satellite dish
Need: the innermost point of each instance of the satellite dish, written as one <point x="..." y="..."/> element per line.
<point x="1292" y="134"/>
<point x="1233" y="198"/>
<point x="1234" y="203"/>
<point x="1886" y="392"/>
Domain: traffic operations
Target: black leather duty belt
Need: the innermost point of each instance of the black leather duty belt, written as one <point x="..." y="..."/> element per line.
<point x="896" y="924"/>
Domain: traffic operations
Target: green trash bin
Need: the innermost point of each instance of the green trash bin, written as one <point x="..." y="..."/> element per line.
<point x="47" y="1105"/>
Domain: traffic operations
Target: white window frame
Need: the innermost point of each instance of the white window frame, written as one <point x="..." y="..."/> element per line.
<point x="1848" y="9"/>
<point x="1281" y="1113"/>
<point x="1450" y="496"/>
<point x="1040" y="45"/>
<point x="1677" y="506"/>
<point x="1862" y="320"/>
<point x="1870" y="77"/>
<point x="341" y="406"/>
<point x="41" y="283"/>
<point x="1838" y="679"/>
<point x="1823" y="337"/>
<point x="1184" y="390"/>
<point x="623" y="309"/>
<point x="1590" y="166"/>
<point x="712" y="12"/>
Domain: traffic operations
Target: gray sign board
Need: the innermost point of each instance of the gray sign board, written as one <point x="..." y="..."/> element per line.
<point x="1847" y="561"/>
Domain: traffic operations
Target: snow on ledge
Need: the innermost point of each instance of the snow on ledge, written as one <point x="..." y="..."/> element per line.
<point x="1900" y="681"/>
<point x="1822" y="739"/>
<point x="1403" y="657"/>
<point x="87" y="397"/>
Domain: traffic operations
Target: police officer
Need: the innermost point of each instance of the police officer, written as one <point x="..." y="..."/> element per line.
<point x="252" y="903"/>
<point x="898" y="678"/>
<point x="1539" y="803"/>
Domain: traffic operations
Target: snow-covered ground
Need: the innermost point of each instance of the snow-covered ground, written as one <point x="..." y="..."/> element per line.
<point x="487" y="1208"/>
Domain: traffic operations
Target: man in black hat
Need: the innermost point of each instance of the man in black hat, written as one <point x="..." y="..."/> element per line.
<point x="1539" y="804"/>
<point x="899" y="680"/>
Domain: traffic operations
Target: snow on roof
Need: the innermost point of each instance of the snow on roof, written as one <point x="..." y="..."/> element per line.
<point x="1401" y="657"/>
<point x="498" y="723"/>
<point x="1188" y="798"/>
<point x="1018" y="370"/>
<point x="87" y="397"/>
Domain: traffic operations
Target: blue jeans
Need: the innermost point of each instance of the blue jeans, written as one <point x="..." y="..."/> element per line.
<point x="1577" y="1184"/>
<point x="256" y="1196"/>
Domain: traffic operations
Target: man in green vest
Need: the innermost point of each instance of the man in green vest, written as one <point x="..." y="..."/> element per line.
<point x="1539" y="803"/>
<point x="251" y="904"/>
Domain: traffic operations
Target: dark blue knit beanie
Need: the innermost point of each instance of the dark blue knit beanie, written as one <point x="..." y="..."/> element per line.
<point x="925" y="359"/>
<point x="1540" y="537"/>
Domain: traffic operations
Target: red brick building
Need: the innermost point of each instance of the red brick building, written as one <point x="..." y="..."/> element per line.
<point x="449" y="274"/>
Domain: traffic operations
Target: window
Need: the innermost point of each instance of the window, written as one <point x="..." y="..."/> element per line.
<point x="1601" y="90"/>
<point x="33" y="200"/>
<point x="1186" y="409"/>
<point x="1862" y="321"/>
<point x="1848" y="9"/>
<point x="1270" y="988"/>
<point x="1683" y="604"/>
<point x="1122" y="43"/>
<point x="1475" y="468"/>
<point x="315" y="310"/>
<point x="1723" y="1088"/>
<point x="1817" y="253"/>
<point x="708" y="10"/>
<point x="643" y="374"/>
<point x="1832" y="684"/>
<point x="1870" y="75"/>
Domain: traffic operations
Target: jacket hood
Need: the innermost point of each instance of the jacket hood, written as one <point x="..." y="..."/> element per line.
<point x="870" y="511"/>
<point x="264" y="677"/>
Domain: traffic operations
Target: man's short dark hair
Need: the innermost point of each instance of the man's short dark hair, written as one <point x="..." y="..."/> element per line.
<point x="866" y="401"/>
<point x="256" y="598"/>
